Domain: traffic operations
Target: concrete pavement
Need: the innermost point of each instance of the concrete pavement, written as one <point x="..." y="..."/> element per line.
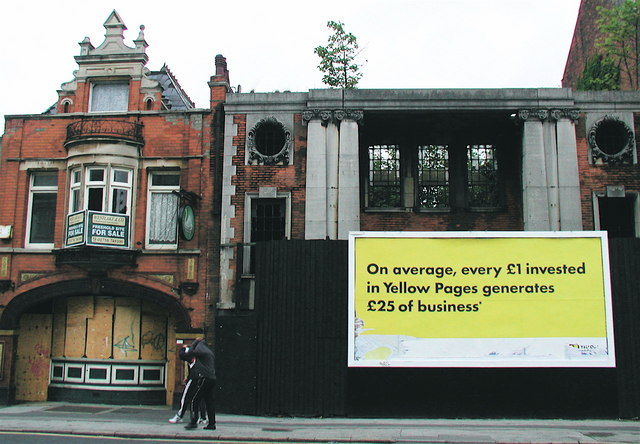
<point x="152" y="422"/>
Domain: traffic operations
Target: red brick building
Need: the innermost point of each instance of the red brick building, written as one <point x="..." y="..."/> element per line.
<point x="584" y="47"/>
<point x="105" y="218"/>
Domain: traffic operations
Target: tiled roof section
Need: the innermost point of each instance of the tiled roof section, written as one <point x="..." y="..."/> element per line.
<point x="173" y="95"/>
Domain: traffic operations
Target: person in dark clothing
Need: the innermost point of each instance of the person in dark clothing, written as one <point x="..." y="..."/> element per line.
<point x="189" y="391"/>
<point x="204" y="374"/>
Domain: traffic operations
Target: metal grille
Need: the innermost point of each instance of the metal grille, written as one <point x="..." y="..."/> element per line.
<point x="482" y="176"/>
<point x="433" y="176"/>
<point x="384" y="176"/>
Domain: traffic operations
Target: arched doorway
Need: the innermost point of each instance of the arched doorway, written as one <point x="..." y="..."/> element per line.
<point x="102" y="341"/>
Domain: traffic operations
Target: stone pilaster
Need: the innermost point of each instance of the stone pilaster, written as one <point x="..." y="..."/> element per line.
<point x="551" y="193"/>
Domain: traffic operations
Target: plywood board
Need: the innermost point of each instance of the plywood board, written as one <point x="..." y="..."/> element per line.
<point x="154" y="337"/>
<point x="171" y="360"/>
<point x="33" y="357"/>
<point x="79" y="309"/>
<point x="59" y="330"/>
<point x="100" y="328"/>
<point x="126" y="331"/>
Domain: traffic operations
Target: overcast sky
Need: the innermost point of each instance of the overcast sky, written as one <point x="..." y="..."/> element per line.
<point x="269" y="44"/>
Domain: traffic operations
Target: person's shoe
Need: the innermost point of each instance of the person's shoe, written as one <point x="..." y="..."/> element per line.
<point x="191" y="425"/>
<point x="210" y="427"/>
<point x="175" y="419"/>
<point x="202" y="421"/>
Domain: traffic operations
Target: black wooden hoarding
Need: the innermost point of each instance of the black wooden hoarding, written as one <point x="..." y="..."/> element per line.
<point x="302" y="322"/>
<point x="296" y="362"/>
<point x="624" y="256"/>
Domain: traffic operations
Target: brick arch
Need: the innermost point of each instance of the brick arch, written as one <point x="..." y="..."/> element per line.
<point x="93" y="287"/>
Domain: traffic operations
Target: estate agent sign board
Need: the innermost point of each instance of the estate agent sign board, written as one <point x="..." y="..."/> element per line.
<point x="98" y="229"/>
<point x="480" y="299"/>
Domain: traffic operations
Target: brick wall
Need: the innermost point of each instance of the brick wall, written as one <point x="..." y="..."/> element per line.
<point x="39" y="140"/>
<point x="595" y="178"/>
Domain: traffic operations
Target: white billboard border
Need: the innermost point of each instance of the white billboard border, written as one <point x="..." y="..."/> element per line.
<point x="604" y="244"/>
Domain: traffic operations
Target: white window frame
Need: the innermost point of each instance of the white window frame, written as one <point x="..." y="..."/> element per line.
<point x="145" y="368"/>
<point x="161" y="189"/>
<point x="40" y="189"/>
<point x="75" y="190"/>
<point x="132" y="381"/>
<point x="121" y="107"/>
<point x="126" y="186"/>
<point x="68" y="378"/>
<point x="89" y="184"/>
<point x="107" y="184"/>
<point x="105" y="380"/>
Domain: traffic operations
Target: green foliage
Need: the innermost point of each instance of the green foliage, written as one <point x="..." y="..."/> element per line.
<point x="620" y="29"/>
<point x="600" y="74"/>
<point x="337" y="59"/>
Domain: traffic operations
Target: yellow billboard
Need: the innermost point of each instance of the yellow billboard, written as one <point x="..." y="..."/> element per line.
<point x="476" y="299"/>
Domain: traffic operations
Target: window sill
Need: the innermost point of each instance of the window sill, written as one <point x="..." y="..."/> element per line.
<point x="407" y="210"/>
<point x="388" y="210"/>
<point x="484" y="209"/>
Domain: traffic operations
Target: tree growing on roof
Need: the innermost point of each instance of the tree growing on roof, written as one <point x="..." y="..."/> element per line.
<point x="600" y="74"/>
<point x="619" y="27"/>
<point x="338" y="58"/>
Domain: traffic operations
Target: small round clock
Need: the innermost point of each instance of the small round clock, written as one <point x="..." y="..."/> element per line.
<point x="187" y="223"/>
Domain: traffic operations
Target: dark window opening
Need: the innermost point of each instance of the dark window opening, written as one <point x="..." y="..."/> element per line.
<point x="97" y="373"/>
<point x="95" y="200"/>
<point x="617" y="216"/>
<point x="151" y="375"/>
<point x="119" y="201"/>
<point x="125" y="374"/>
<point x="270" y="138"/>
<point x="267" y="223"/>
<point x="74" y="372"/>
<point x="43" y="212"/>
<point x="612" y="136"/>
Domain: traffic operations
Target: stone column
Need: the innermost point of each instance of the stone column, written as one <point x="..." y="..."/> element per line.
<point x="535" y="197"/>
<point x="333" y="159"/>
<point x="568" y="179"/>
<point x="316" y="187"/>
<point x="348" y="173"/>
<point x="551" y="165"/>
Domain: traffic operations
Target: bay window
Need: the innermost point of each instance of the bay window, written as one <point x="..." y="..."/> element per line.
<point x="104" y="188"/>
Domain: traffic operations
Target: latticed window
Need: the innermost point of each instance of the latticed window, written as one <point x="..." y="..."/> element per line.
<point x="482" y="176"/>
<point x="384" y="182"/>
<point x="433" y="176"/>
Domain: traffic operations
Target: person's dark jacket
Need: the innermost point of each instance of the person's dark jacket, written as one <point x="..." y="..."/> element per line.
<point x="204" y="366"/>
